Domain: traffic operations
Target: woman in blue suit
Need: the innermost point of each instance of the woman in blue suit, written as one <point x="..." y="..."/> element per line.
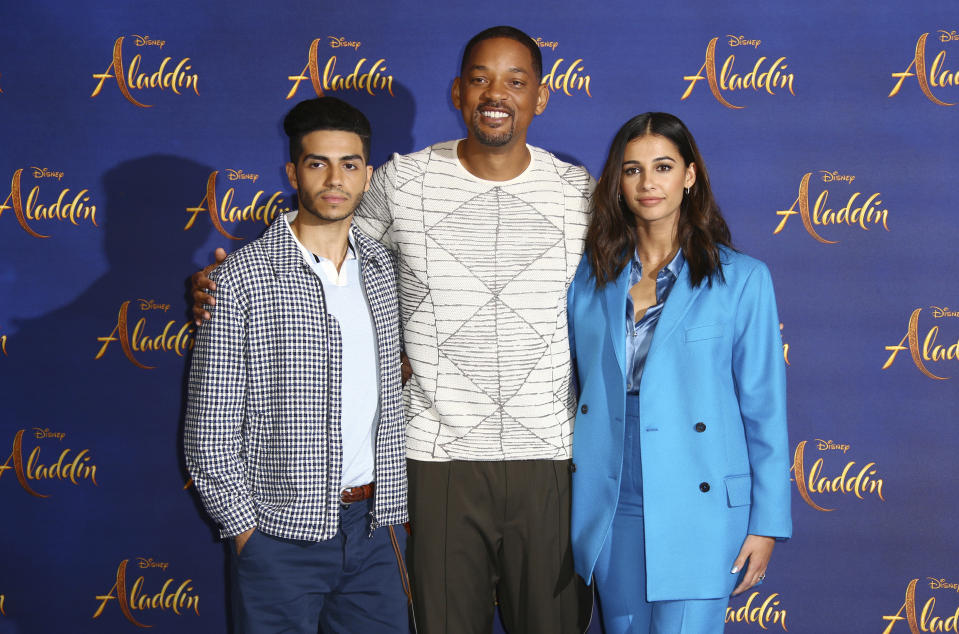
<point x="681" y="466"/>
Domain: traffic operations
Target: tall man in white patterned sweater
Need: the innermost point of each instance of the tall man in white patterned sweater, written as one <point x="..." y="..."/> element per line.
<point x="488" y="231"/>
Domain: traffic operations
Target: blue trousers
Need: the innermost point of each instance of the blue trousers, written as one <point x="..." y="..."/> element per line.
<point x="350" y="583"/>
<point x="620" y="571"/>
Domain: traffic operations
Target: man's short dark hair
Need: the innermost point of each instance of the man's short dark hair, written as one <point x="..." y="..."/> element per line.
<point x="509" y="32"/>
<point x="325" y="113"/>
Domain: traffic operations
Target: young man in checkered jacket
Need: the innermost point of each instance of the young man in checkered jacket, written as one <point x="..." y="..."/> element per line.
<point x="294" y="430"/>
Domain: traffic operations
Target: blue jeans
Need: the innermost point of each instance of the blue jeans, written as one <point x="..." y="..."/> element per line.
<point x="620" y="571"/>
<point x="350" y="583"/>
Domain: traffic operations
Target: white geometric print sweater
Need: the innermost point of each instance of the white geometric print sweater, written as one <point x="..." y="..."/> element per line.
<point x="483" y="270"/>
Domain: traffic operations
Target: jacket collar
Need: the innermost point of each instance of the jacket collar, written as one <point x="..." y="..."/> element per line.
<point x="285" y="255"/>
<point x="681" y="297"/>
<point x="615" y="307"/>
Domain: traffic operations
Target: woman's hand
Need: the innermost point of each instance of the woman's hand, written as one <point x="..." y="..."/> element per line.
<point x="756" y="550"/>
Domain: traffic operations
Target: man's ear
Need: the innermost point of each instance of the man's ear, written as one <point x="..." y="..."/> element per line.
<point x="369" y="175"/>
<point x="291" y="176"/>
<point x="455" y="93"/>
<point x="542" y="98"/>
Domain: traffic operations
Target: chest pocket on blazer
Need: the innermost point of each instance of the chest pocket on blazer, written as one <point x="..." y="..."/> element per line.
<point x="699" y="333"/>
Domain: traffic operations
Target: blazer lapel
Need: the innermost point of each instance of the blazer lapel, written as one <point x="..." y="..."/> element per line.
<point x="615" y="307"/>
<point x="681" y="297"/>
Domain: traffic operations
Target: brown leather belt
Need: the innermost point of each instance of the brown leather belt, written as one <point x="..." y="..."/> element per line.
<point x="358" y="493"/>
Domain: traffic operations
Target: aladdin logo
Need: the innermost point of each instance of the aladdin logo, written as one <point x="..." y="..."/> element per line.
<point x="930" y="351"/>
<point x="859" y="211"/>
<point x="934" y="76"/>
<point x="73" y="208"/>
<point x="167" y="76"/>
<point x="785" y="345"/>
<point x="73" y="467"/>
<point x="925" y="620"/>
<point x="359" y="80"/>
<point x="562" y="77"/>
<point x="764" y="76"/>
<point x="176" y="598"/>
<point x="567" y="78"/>
<point x="259" y="209"/>
<point x="171" y="339"/>
<point x="855" y="480"/>
<point x="763" y="614"/>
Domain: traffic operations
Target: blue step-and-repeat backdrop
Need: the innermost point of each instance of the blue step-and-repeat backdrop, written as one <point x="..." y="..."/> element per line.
<point x="138" y="137"/>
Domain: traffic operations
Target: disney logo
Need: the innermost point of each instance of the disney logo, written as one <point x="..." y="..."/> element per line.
<point x="342" y="42"/>
<point x="42" y="172"/>
<point x="144" y="562"/>
<point x="144" y="40"/>
<point x="828" y="445"/>
<point x="828" y="177"/>
<point x="240" y="175"/>
<point x="942" y="584"/>
<point x="740" y="40"/>
<point x="540" y="42"/>
<point x="938" y="312"/>
<point x="46" y="433"/>
<point x="149" y="304"/>
<point x="948" y="36"/>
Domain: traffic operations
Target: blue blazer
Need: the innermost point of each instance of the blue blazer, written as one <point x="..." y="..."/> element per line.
<point x="715" y="454"/>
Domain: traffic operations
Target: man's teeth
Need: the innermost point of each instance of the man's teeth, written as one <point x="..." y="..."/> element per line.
<point x="494" y="114"/>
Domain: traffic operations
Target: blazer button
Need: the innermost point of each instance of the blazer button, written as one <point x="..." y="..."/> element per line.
<point x="700" y="426"/>
<point x="704" y="487"/>
<point x="584" y="409"/>
<point x="572" y="467"/>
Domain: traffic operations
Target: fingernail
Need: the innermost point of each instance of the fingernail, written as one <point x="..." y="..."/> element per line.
<point x="734" y="570"/>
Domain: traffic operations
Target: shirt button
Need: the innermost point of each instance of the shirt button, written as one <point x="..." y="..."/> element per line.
<point x="584" y="409"/>
<point x="704" y="487"/>
<point x="700" y="426"/>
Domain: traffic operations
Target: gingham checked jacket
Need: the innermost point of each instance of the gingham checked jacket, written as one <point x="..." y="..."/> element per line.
<point x="262" y="433"/>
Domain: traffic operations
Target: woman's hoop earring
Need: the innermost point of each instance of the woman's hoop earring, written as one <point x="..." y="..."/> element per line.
<point x="687" y="191"/>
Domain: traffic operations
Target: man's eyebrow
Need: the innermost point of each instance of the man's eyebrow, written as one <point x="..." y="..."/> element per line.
<point x="512" y="69"/>
<point x="320" y="157"/>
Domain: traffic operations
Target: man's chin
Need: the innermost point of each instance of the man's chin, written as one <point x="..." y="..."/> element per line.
<point x="329" y="215"/>
<point x="490" y="140"/>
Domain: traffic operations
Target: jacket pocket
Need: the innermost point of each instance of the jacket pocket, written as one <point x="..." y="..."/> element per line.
<point x="709" y="331"/>
<point x="739" y="489"/>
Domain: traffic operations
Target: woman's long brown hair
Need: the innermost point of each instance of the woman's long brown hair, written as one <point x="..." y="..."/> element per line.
<point x="611" y="236"/>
